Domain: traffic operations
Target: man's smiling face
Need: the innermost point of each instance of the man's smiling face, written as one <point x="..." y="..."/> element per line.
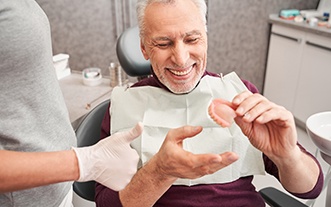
<point x="175" y="41"/>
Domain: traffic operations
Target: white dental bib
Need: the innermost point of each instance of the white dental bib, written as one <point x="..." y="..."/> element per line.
<point x="160" y="111"/>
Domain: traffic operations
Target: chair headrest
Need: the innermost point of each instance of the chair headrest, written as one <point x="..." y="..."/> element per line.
<point x="129" y="54"/>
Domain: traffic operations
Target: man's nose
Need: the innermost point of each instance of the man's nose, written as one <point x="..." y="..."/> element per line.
<point x="180" y="54"/>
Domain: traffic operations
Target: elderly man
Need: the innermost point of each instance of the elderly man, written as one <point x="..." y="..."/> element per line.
<point x="217" y="168"/>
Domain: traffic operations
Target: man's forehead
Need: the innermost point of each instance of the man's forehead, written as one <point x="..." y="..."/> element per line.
<point x="173" y="21"/>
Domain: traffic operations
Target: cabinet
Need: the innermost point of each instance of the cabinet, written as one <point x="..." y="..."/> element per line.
<point x="314" y="85"/>
<point x="283" y="65"/>
<point x="298" y="71"/>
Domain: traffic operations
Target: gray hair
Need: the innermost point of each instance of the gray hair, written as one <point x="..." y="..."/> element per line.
<point x="142" y="4"/>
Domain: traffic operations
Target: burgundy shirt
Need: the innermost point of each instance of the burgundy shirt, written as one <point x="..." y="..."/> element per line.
<point x="237" y="193"/>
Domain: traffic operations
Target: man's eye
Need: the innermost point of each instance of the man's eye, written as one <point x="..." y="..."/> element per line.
<point x="192" y="40"/>
<point x="162" y="45"/>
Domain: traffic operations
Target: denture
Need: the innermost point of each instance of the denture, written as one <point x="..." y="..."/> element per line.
<point x="222" y="112"/>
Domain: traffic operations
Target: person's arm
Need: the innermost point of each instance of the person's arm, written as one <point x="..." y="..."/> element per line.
<point x="147" y="186"/>
<point x="102" y="162"/>
<point x="298" y="173"/>
<point x="318" y="187"/>
<point x="272" y="169"/>
<point x="168" y="164"/>
<point x="22" y="170"/>
<point x="271" y="129"/>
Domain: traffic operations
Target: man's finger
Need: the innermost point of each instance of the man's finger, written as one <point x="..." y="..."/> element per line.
<point x="181" y="133"/>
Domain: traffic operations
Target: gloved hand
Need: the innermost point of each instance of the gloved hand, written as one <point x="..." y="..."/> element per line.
<point x="111" y="161"/>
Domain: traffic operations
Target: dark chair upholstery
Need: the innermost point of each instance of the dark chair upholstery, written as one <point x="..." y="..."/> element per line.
<point x="88" y="133"/>
<point x="129" y="54"/>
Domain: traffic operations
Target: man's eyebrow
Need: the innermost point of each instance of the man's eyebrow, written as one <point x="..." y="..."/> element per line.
<point x="193" y="32"/>
<point x="161" y="38"/>
<point x="166" y="38"/>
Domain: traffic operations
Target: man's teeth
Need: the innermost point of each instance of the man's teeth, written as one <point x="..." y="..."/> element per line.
<point x="181" y="72"/>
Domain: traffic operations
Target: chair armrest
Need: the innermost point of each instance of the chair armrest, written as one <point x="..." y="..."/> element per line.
<point x="277" y="198"/>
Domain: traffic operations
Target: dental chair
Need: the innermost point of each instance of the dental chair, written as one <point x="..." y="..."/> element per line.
<point x="88" y="133"/>
<point x="134" y="64"/>
<point x="130" y="56"/>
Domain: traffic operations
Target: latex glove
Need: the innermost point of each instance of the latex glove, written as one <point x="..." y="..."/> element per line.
<point x="111" y="161"/>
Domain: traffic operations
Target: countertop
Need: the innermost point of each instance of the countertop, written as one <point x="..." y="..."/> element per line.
<point x="77" y="95"/>
<point x="323" y="31"/>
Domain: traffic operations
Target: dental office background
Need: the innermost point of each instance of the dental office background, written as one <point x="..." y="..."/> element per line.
<point x="238" y="32"/>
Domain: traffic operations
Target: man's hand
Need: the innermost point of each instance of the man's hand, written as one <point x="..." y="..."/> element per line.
<point x="269" y="127"/>
<point x="170" y="163"/>
<point x="174" y="162"/>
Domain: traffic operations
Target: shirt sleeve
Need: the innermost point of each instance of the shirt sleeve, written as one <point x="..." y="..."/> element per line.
<point x="250" y="86"/>
<point x="105" y="196"/>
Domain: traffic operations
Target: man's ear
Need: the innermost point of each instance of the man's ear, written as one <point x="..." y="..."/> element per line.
<point x="143" y="50"/>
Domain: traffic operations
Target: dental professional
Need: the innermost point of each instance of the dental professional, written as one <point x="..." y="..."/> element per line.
<point x="174" y="39"/>
<point x="37" y="161"/>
